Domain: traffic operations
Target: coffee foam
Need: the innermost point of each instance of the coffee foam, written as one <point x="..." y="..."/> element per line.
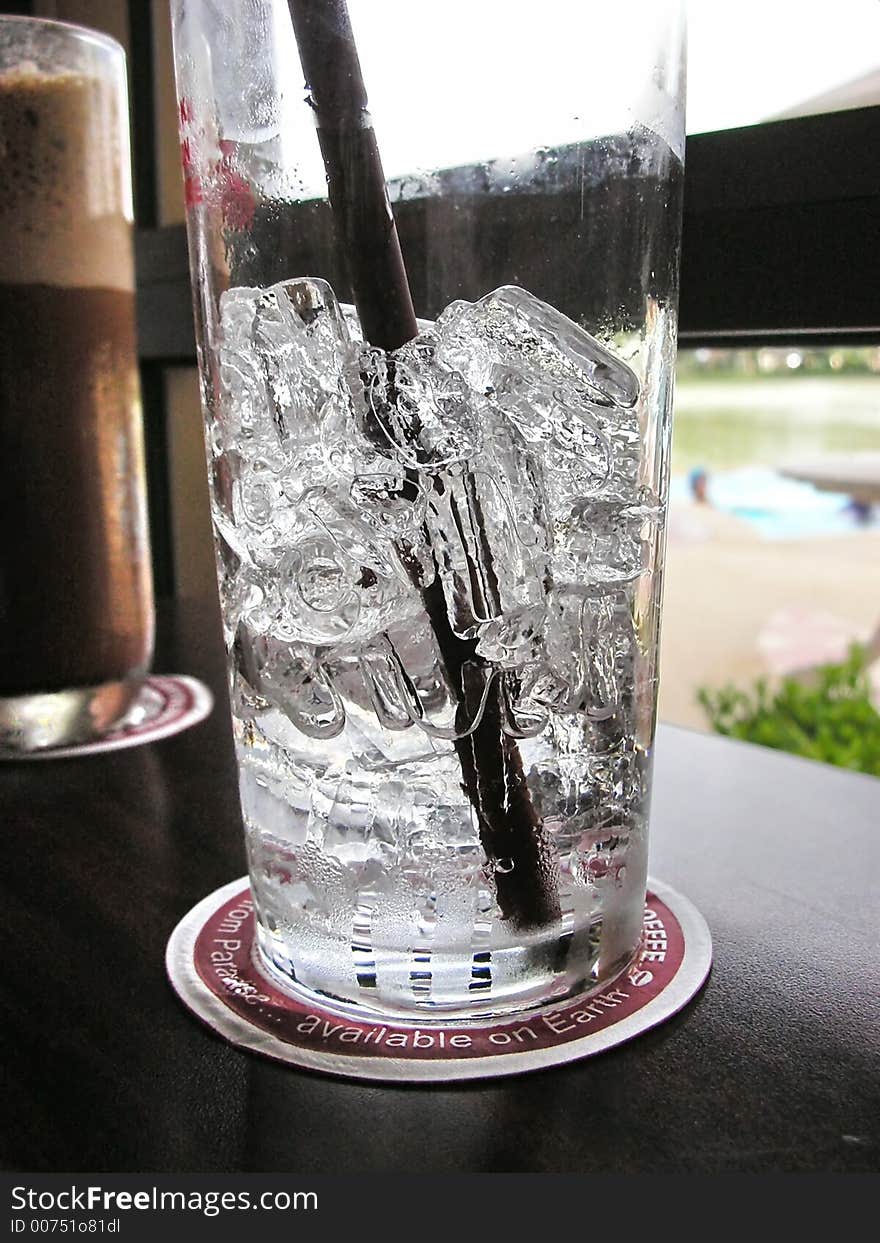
<point x="65" y="215"/>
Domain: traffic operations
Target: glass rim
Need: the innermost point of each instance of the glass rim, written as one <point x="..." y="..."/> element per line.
<point x="84" y="33"/>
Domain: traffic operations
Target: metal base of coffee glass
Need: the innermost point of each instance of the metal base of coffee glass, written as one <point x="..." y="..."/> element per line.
<point x="439" y="547"/>
<point x="41" y="722"/>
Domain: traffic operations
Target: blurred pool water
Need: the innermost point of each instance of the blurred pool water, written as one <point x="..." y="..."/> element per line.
<point x="778" y="508"/>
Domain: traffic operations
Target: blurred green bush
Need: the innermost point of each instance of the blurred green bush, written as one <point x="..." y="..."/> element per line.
<point x="826" y="715"/>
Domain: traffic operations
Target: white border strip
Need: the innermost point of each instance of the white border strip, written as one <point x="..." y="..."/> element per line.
<point x="180" y="965"/>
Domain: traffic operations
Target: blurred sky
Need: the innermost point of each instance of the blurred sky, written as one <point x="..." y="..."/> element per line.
<point x="752" y="59"/>
<point x="457" y="82"/>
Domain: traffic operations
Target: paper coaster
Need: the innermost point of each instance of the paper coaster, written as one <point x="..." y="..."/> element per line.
<point x="166" y="704"/>
<point x="211" y="963"/>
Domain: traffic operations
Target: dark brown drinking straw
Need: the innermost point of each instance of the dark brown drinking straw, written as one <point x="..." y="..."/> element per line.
<point x="511" y="833"/>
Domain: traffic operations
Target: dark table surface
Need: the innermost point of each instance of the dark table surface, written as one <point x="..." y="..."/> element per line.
<point x="773" y="1067"/>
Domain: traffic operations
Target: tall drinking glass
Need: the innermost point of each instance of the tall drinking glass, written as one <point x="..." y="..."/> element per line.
<point x="76" y="619"/>
<point x="439" y="541"/>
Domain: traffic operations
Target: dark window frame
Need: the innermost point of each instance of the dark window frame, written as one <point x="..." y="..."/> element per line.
<point x="781" y="241"/>
<point x="781" y="233"/>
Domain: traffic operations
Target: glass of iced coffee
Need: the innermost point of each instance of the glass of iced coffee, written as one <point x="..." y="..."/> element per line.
<point x="76" y="605"/>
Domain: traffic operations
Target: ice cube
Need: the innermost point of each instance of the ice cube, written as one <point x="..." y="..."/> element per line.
<point x="289" y="677"/>
<point x="283" y="352"/>
<point x="389" y="503"/>
<point x="391" y="691"/>
<point x="408" y="684"/>
<point x="475" y="486"/>
<point x="499" y="450"/>
<point x="560" y="424"/>
<point x="521" y="716"/>
<point x="600" y="543"/>
<point x="605" y="543"/>
<point x="570" y="398"/>
<point x="517" y="330"/>
<point x="307" y="697"/>
<point x="261" y="512"/>
<point x="329" y="597"/>
<point x="423" y="409"/>
<point x="491" y="548"/>
<point x="424" y="687"/>
<point x="477" y="554"/>
<point x="344" y="450"/>
<point x="584" y="666"/>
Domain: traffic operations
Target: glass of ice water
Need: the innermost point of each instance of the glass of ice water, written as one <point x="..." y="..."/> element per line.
<point x="439" y="551"/>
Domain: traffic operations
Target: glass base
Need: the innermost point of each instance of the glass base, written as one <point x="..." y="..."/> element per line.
<point x="41" y="721"/>
<point x="535" y="977"/>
